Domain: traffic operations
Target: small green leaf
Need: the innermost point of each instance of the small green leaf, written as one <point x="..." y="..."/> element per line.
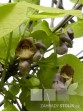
<point x="72" y="88"/>
<point x="33" y="81"/>
<point x="71" y="92"/>
<point x="80" y="88"/>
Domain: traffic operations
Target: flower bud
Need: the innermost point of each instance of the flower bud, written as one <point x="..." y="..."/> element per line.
<point x="65" y="38"/>
<point x="69" y="45"/>
<point x="40" y="45"/>
<point x="37" y="56"/>
<point x="61" y="49"/>
<point x="24" y="67"/>
<point x="59" y="84"/>
<point x="70" y="33"/>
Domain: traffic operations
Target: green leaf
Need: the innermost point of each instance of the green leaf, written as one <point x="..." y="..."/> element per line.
<point x="8" y="21"/>
<point x="4" y="44"/>
<point x="45" y="15"/>
<point x="44" y="26"/>
<point x="9" y="107"/>
<point x="33" y="81"/>
<point x="9" y="95"/>
<point x="72" y="88"/>
<point x="55" y="39"/>
<point x="80" y="88"/>
<point x="14" y="89"/>
<point x="24" y="94"/>
<point x="41" y="35"/>
<point x="77" y="28"/>
<point x="47" y="70"/>
<point x="14" y="15"/>
<point x="30" y="83"/>
<point x="50" y="10"/>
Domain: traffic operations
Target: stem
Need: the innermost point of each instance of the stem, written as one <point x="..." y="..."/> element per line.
<point x="50" y="49"/>
<point x="54" y="1"/>
<point x="52" y="19"/>
<point x="1" y="103"/>
<point x="24" y="108"/>
<point x="79" y="53"/>
<point x="75" y="4"/>
<point x="59" y="4"/>
<point x="81" y="57"/>
<point x="9" y="1"/>
<point x="18" y="105"/>
<point x="65" y="19"/>
<point x="5" y="41"/>
<point x="25" y="28"/>
<point x="6" y="61"/>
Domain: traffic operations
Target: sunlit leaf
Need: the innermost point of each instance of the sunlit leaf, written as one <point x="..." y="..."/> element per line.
<point x="14" y="15"/>
<point x="77" y="28"/>
<point x="44" y="26"/>
<point x="77" y="13"/>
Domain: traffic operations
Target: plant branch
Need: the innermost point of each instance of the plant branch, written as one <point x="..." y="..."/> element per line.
<point x="52" y="19"/>
<point x="65" y="19"/>
<point x="81" y="57"/>
<point x="18" y="105"/>
<point x="9" y="1"/>
<point x="60" y="4"/>
<point x="50" y="49"/>
<point x="79" y="53"/>
<point x="24" y="108"/>
<point x="75" y="4"/>
<point x="1" y="103"/>
<point x="54" y="1"/>
<point x="6" y="61"/>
